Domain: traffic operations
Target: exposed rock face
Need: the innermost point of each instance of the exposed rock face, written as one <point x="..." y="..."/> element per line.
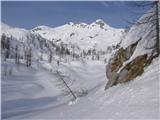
<point x="137" y="50"/>
<point x="117" y="71"/>
<point x="133" y="69"/>
<point x="100" y="23"/>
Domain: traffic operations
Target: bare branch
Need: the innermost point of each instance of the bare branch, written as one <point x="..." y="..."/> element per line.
<point x="151" y="21"/>
<point x="144" y="4"/>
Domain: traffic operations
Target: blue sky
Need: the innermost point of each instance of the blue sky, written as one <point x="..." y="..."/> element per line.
<point x="52" y="13"/>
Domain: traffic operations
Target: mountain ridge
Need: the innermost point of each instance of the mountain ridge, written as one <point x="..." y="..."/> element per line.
<point x="96" y="35"/>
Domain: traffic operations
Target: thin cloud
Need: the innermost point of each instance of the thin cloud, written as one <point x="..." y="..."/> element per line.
<point x="106" y="4"/>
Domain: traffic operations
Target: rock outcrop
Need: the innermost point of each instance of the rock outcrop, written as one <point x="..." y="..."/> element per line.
<point x="137" y="50"/>
<point x="120" y="69"/>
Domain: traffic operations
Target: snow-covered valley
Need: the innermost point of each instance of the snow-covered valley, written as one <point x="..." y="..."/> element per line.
<point x="62" y="73"/>
<point x="31" y="93"/>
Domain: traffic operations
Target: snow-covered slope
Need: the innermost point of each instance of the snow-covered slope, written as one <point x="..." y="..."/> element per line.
<point x="24" y="39"/>
<point x="4" y="26"/>
<point x="31" y="93"/>
<point x="18" y="33"/>
<point x="136" y="51"/>
<point x="144" y="33"/>
<point x="96" y="35"/>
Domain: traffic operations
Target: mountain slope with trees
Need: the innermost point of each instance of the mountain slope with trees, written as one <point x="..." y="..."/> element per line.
<point x="137" y="50"/>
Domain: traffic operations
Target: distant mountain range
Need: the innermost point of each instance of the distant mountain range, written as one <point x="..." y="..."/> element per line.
<point x="96" y="35"/>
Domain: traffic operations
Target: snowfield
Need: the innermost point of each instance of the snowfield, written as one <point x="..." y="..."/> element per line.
<point x="32" y="93"/>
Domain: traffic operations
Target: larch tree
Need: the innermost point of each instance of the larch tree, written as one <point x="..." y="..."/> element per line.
<point x="151" y="18"/>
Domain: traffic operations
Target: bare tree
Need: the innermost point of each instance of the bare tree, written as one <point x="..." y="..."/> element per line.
<point x="28" y="57"/>
<point x="17" y="55"/>
<point x="151" y="18"/>
<point x="157" y="27"/>
<point x="50" y="57"/>
<point x="5" y="68"/>
<point x="67" y="91"/>
<point x="3" y="42"/>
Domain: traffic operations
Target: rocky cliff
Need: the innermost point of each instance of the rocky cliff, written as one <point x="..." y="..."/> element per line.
<point x="136" y="52"/>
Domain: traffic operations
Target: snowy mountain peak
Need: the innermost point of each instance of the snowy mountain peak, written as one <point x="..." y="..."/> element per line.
<point x="83" y="35"/>
<point x="99" y="21"/>
<point x="78" y="24"/>
<point x="42" y="27"/>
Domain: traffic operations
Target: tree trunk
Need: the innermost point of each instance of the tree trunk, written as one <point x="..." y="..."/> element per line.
<point x="157" y="28"/>
<point x="71" y="92"/>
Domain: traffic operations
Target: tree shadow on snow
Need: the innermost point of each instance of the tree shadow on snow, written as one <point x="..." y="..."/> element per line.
<point x="13" y="108"/>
